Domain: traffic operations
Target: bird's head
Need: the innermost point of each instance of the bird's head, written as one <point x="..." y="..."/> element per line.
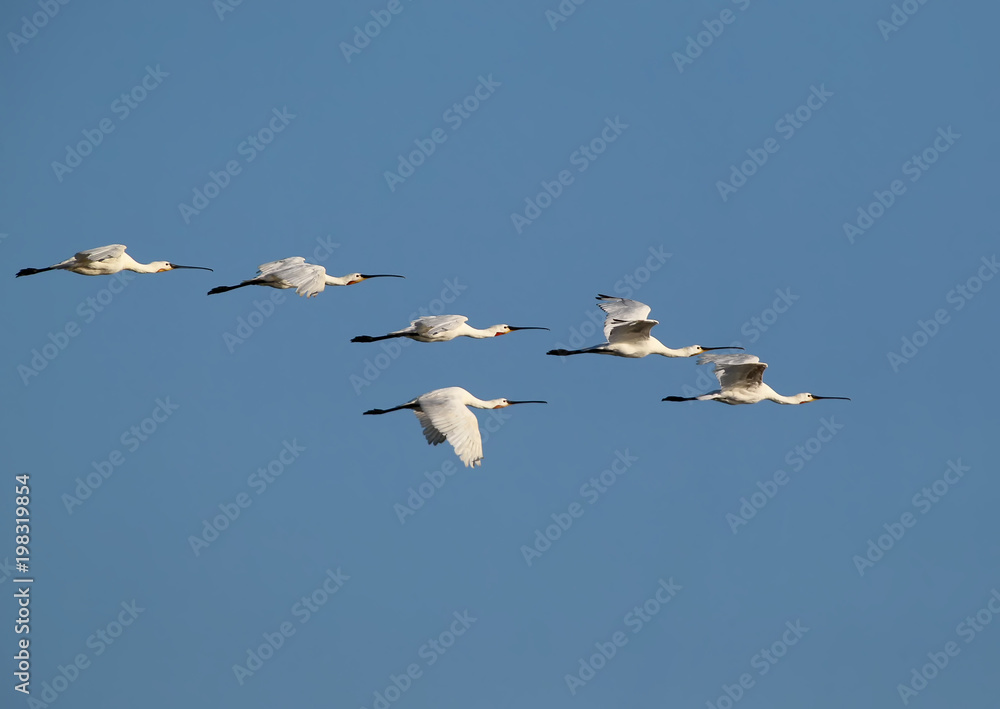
<point x="504" y="329"/>
<point x="805" y="398"/>
<point x="698" y="349"/>
<point x="161" y="266"/>
<point x="504" y="403"/>
<point x="353" y="278"/>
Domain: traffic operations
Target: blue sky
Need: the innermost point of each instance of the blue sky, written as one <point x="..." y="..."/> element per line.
<point x="722" y="200"/>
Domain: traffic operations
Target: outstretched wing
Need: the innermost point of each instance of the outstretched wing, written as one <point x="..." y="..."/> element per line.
<point x="308" y="279"/>
<point x="432" y="435"/>
<point x="272" y="266"/>
<point x="437" y="324"/>
<point x="620" y="309"/>
<point x="443" y="417"/>
<point x="629" y="330"/>
<point x="736" y="371"/>
<point x="101" y="253"/>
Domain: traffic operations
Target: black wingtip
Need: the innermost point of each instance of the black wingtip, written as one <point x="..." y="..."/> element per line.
<point x="678" y="398"/>
<point x="363" y="338"/>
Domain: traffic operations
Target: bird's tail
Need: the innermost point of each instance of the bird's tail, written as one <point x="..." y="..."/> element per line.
<point x="223" y="289"/>
<point x="32" y="271"/>
<point x="370" y="338"/>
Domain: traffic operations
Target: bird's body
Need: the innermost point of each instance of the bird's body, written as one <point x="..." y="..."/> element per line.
<point x="105" y="261"/>
<point x="741" y="381"/>
<point x="627" y="330"/>
<point x="444" y="416"/>
<point x="442" y="328"/>
<point x="307" y="279"/>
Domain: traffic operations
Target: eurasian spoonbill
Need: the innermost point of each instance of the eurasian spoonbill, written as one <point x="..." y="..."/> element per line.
<point x="104" y="261"/>
<point x="306" y="278"/>
<point x="627" y="329"/>
<point x="741" y="381"/>
<point x="444" y="416"/>
<point x="441" y="328"/>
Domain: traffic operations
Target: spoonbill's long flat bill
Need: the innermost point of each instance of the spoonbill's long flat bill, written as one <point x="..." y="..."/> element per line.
<point x="104" y="261"/>
<point x="627" y="331"/>
<point x="444" y="416"/>
<point x="741" y="381"/>
<point x="441" y="328"/>
<point x="307" y="279"/>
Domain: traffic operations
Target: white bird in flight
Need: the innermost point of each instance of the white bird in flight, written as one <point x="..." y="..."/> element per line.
<point x="441" y="328"/>
<point x="306" y="278"/>
<point x="741" y="381"/>
<point x="627" y="329"/>
<point x="444" y="416"/>
<point x="104" y="261"/>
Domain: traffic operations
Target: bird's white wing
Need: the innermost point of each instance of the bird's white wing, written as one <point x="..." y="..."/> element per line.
<point x="308" y="279"/>
<point x="736" y="371"/>
<point x="436" y="324"/>
<point x="444" y="417"/>
<point x="728" y="359"/>
<point x="101" y="253"/>
<point x="629" y="330"/>
<point x="620" y="309"/>
<point x="272" y="266"/>
<point x="432" y="435"/>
